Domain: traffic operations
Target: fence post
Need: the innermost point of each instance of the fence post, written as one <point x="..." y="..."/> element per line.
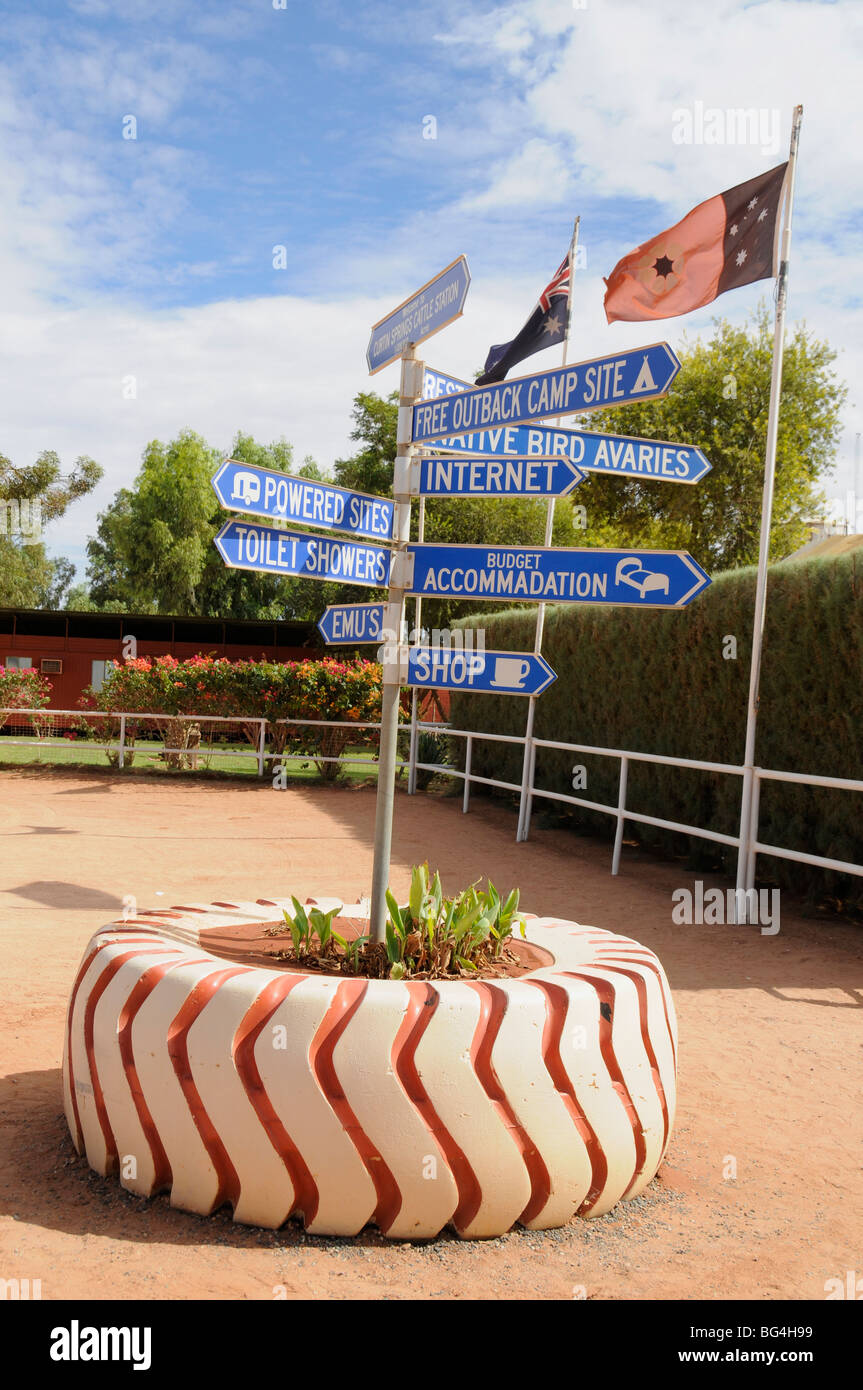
<point x="621" y="807"/>
<point x="751" y="854"/>
<point x="467" y="761"/>
<point x="414" y="742"/>
<point x="261" y="745"/>
<point x="744" y="839"/>
<point x="121" y="761"/>
<point x="524" y="830"/>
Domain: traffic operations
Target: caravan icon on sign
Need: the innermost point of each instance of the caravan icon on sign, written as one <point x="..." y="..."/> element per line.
<point x="247" y="488"/>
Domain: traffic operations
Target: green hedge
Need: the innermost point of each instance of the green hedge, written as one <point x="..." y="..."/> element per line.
<point x="657" y="682"/>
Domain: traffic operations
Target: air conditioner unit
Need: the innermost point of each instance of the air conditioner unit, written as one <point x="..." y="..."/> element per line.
<point x="51" y="666"/>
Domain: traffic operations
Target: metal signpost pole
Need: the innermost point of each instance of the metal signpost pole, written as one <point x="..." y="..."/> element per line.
<point x="418" y="612"/>
<point x="766" y="516"/>
<point x="410" y="390"/>
<point x="521" y="832"/>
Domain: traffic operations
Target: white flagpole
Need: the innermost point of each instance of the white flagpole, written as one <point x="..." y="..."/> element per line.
<point x="521" y="832"/>
<point x="745" y="860"/>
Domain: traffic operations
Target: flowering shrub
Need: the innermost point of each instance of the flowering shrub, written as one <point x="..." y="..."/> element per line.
<point x="23" y="689"/>
<point x="182" y="691"/>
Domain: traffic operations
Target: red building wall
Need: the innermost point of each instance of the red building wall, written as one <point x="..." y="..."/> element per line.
<point x="78" y="639"/>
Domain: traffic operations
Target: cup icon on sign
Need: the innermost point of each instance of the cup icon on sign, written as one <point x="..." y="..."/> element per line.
<point x="510" y="671"/>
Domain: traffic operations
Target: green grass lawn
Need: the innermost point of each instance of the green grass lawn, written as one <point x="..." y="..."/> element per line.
<point x="63" y="752"/>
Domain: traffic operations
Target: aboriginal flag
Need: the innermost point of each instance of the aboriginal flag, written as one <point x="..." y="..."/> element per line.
<point x="545" y="327"/>
<point x="728" y="241"/>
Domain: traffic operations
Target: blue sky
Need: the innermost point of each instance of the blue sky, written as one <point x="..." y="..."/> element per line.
<point x="303" y="127"/>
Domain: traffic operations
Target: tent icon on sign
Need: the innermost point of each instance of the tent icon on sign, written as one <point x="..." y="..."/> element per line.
<point x="630" y="571"/>
<point x="644" y="381"/>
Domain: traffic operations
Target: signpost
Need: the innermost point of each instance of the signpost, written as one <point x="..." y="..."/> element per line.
<point x="240" y="487"/>
<point x="345" y="624"/>
<point x="508" y="573"/>
<point x="497" y="673"/>
<point x="433" y="306"/>
<point x="480" y="443"/>
<point x="247" y="546"/>
<point x="642" y="374"/>
<point x="494" y="477"/>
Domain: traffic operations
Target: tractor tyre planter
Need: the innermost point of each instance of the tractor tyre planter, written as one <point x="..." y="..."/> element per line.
<point x="345" y="1101"/>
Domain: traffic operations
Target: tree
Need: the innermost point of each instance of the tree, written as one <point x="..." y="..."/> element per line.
<point x="109" y="557"/>
<point x="153" y="551"/>
<point x="375" y="427"/>
<point x="31" y="497"/>
<point x="719" y="402"/>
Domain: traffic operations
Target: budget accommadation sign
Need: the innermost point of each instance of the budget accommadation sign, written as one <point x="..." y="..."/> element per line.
<point x="502" y="573"/>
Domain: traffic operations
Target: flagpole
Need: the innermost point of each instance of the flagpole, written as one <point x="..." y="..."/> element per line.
<point x="521" y="832"/>
<point x="746" y="857"/>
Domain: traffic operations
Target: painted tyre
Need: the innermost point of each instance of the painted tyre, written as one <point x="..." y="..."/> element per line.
<point x="344" y="1102"/>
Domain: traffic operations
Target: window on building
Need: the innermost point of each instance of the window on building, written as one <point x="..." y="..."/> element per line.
<point x="99" y="672"/>
<point x="18" y="663"/>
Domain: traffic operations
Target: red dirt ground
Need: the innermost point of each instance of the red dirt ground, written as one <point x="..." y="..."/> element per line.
<point x="770" y="1030"/>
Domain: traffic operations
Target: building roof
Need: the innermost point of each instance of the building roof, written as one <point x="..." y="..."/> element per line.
<point x="159" y="627"/>
<point x="825" y="548"/>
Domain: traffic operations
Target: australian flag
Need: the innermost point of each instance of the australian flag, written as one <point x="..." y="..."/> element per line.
<point x="546" y="326"/>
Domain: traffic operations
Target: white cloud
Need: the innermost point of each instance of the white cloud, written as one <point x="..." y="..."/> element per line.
<point x="535" y="174"/>
<point x="576" y="116"/>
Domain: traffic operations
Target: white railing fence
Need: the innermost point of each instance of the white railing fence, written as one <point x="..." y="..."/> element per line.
<point x="48" y="722"/>
<point x="622" y="813"/>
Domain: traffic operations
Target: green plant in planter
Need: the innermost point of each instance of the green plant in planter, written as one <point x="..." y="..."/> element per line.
<point x="438" y="935"/>
<point x="352" y="950"/>
<point x="305" y="926"/>
<point x="430" y="937"/>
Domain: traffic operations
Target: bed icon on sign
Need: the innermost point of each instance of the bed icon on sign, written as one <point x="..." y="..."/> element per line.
<point x="630" y="571"/>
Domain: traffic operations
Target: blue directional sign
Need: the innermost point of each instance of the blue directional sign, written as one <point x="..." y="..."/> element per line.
<point x="639" y="375"/>
<point x="267" y="492"/>
<point x="615" y="454"/>
<point x="436" y="384"/>
<point x="501" y="673"/>
<point x="432" y="307"/>
<point x="345" y="624"/>
<point x="505" y="573"/>
<point x="247" y="546"/>
<point x="496" y="477"/>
